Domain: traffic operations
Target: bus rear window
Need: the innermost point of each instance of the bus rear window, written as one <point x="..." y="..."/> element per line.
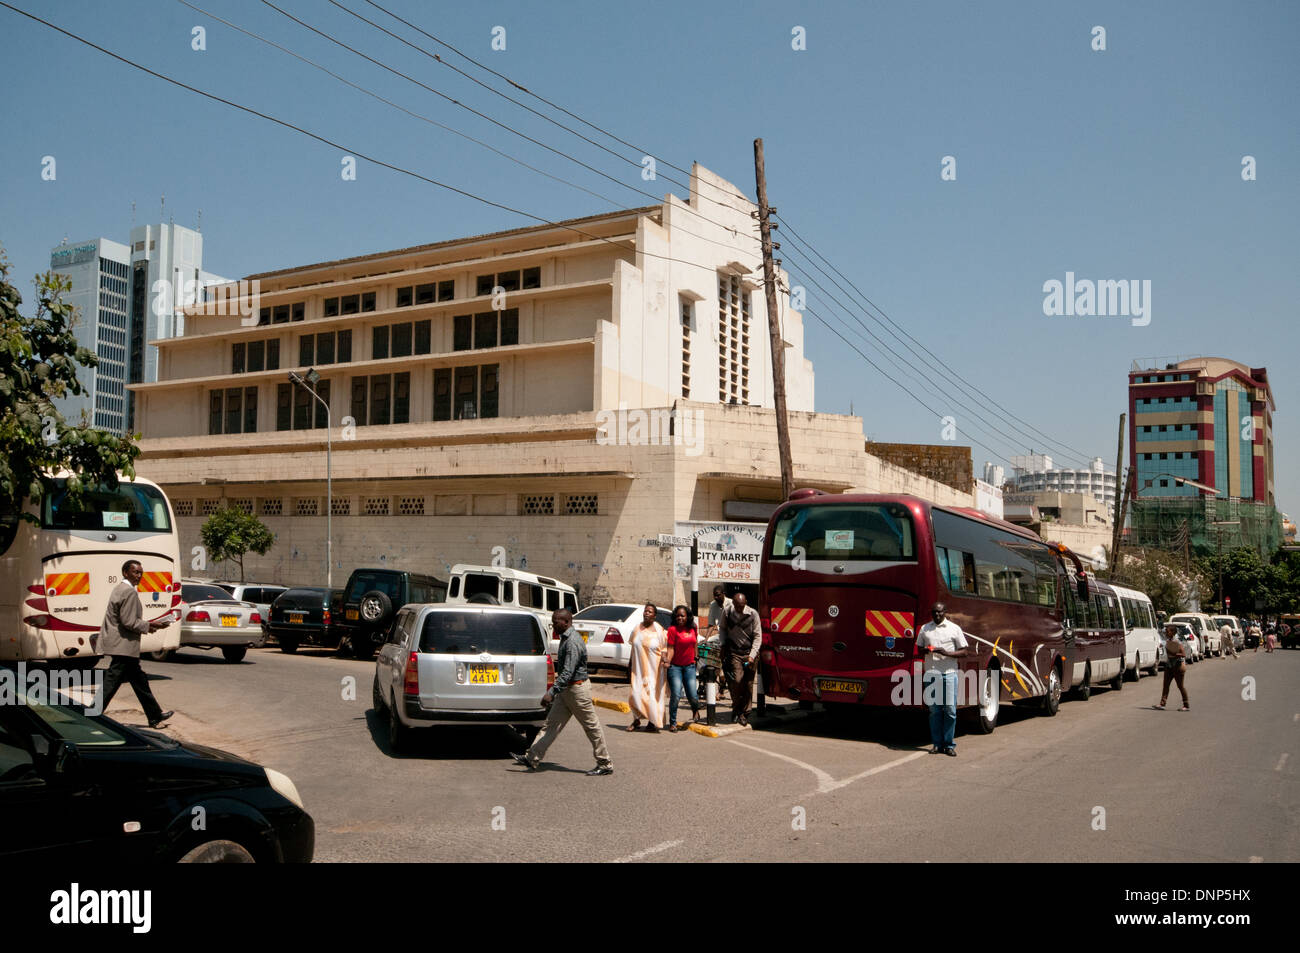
<point x="131" y="506"/>
<point x="845" y="531"/>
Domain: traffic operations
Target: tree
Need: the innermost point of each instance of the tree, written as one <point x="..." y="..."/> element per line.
<point x="1164" y="577"/>
<point x="230" y="533"/>
<point x="39" y="361"/>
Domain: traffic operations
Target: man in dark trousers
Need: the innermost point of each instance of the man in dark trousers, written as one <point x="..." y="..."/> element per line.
<point x="742" y="637"/>
<point x="119" y="639"/>
<point x="569" y="697"/>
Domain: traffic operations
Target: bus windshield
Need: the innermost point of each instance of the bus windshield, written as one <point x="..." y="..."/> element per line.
<point x="844" y="531"/>
<point x="130" y="506"/>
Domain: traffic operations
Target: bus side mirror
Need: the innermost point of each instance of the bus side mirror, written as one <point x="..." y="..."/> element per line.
<point x="1083" y="589"/>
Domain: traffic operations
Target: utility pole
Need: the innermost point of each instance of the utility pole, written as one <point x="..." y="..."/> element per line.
<point x="1119" y="472"/>
<point x="1123" y="515"/>
<point x="774" y="331"/>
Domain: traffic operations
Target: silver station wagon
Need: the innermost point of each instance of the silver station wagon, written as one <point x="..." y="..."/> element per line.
<point x="462" y="665"/>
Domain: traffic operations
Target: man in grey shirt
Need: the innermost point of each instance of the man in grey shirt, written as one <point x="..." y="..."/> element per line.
<point x="569" y="697"/>
<point x="119" y="639"/>
<point x="742" y="637"/>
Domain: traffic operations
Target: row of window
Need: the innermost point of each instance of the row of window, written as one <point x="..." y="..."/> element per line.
<point x="327" y="347"/>
<point x="1170" y="403"/>
<point x="282" y="313"/>
<point x="537" y="504"/>
<point x="1162" y="378"/>
<point x="115" y="268"/>
<point x="1099" y="611"/>
<point x="1169" y="428"/>
<point x="232" y="410"/>
<point x="524" y="279"/>
<point x="977" y="560"/>
<point x="733" y="340"/>
<point x="254" y="356"/>
<point x="1165" y="456"/>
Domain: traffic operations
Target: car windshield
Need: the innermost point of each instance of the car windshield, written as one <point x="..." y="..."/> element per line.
<point x="473" y="633"/>
<point x="192" y="593"/>
<point x="390" y="584"/>
<point x="606" y="613"/>
<point x="72" y="726"/>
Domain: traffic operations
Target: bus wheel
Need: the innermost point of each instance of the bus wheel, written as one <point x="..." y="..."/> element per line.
<point x="1117" y="683"/>
<point x="1051" y="703"/>
<point x="1083" y="691"/>
<point x="1137" y="668"/>
<point x="990" y="703"/>
<point x="162" y="655"/>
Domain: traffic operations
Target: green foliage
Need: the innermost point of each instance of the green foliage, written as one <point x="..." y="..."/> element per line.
<point x="39" y="360"/>
<point x="230" y="534"/>
<point x="1163" y="576"/>
<point x="1254" y="585"/>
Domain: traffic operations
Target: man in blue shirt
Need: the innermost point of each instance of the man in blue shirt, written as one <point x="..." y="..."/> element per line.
<point x="569" y="697"/>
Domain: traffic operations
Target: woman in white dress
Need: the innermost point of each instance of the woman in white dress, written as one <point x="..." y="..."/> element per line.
<point x="649" y="671"/>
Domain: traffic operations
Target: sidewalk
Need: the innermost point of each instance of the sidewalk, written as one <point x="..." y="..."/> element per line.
<point x="610" y="691"/>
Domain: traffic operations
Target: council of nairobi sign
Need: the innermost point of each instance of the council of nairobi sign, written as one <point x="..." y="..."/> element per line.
<point x="737" y="558"/>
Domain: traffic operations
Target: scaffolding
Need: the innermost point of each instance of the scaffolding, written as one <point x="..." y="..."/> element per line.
<point x="1178" y="524"/>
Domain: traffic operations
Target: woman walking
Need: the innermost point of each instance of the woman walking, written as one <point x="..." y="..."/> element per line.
<point x="649" y="644"/>
<point x="683" y="637"/>
<point x="1176" y="655"/>
<point x="1272" y="640"/>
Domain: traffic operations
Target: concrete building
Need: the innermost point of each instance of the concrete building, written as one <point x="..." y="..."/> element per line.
<point x="950" y="465"/>
<point x="1035" y="471"/>
<point x="994" y="474"/>
<point x="1076" y="519"/>
<point x="1208" y="420"/>
<point x="550" y="395"/>
<point x="99" y="270"/>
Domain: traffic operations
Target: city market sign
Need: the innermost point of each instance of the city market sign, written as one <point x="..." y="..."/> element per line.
<point x="729" y="552"/>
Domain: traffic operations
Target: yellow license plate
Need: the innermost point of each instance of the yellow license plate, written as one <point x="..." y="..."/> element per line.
<point x="295" y="617"/>
<point x="585" y="637"/>
<point x="352" y="615"/>
<point x="484" y="675"/>
<point x="840" y="687"/>
<point x="229" y="621"/>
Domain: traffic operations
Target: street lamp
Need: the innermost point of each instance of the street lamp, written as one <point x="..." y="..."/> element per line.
<point x="1180" y="481"/>
<point x="308" y="383"/>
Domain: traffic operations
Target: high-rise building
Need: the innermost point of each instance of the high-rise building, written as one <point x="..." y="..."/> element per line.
<point x="1034" y="472"/>
<point x="994" y="475"/>
<point x="98" y="269"/>
<point x="1208" y="420"/>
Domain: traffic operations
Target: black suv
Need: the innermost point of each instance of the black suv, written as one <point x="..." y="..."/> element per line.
<point x="371" y="600"/>
<point x="306" y="615"/>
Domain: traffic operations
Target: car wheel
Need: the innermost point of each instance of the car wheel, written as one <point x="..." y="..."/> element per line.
<point x="162" y="655"/>
<point x="234" y="653"/>
<point x="990" y="702"/>
<point x="399" y="736"/>
<point x="1137" y="669"/>
<point x="1051" y="703"/>
<point x="377" y="697"/>
<point x="1117" y="683"/>
<point x="1083" y="691"/>
<point x="288" y="644"/>
<point x="218" y="852"/>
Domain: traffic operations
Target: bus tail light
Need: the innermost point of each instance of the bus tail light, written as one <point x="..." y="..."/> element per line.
<point x="613" y="636"/>
<point x="411" y="677"/>
<point x="39" y="621"/>
<point x="550" y="672"/>
<point x="198" y="615"/>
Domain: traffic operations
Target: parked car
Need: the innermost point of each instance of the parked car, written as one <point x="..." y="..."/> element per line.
<point x="607" y="630"/>
<point x="1231" y="622"/>
<point x="210" y="619"/>
<point x="462" y="665"/>
<point x="306" y="615"/>
<point x="1207" y="633"/>
<point x="372" y="599"/>
<point x="503" y="586"/>
<point x="76" y="786"/>
<point x="260" y="594"/>
<point x="1288" y="631"/>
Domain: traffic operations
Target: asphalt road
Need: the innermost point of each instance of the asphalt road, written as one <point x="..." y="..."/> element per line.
<point x="1108" y="779"/>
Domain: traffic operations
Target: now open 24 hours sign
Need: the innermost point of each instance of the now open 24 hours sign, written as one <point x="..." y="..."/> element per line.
<point x="737" y="557"/>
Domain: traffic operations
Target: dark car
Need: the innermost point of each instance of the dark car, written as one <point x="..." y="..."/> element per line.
<point x="371" y="600"/>
<point x="78" y="787"/>
<point x="306" y="615"/>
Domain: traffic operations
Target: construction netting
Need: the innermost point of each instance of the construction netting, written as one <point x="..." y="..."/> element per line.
<point x="1205" y="525"/>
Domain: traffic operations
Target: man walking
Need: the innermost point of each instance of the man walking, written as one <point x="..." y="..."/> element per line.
<point x="569" y="697"/>
<point x="1225" y="640"/>
<point x="943" y="643"/>
<point x="119" y="639"/>
<point x="718" y="608"/>
<point x="742" y="637"/>
<point x="1256" y="635"/>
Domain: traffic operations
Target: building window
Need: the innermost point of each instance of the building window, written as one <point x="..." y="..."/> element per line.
<point x="341" y="507"/>
<point x="410" y="506"/>
<point x="250" y="410"/>
<point x="401" y="337"/>
<point x="360" y="390"/>
<point x="331" y="307"/>
<point x="423" y="336"/>
<point x="686" y="315"/>
<point x="402" y="398"/>
<point x="380" y="395"/>
<point x="733" y="340"/>
<point x="237" y="358"/>
<point x="404" y="297"/>
<point x="309" y="507"/>
<point x="377" y="506"/>
<point x="344" y="349"/>
<point x="462" y="332"/>
<point x="442" y="394"/>
<point x="244" y="506"/>
<point x="183" y="507"/>
<point x="263" y="316"/>
<point x="368" y="301"/>
<point x="208" y="507"/>
<point x="273" y="354"/>
<point x="542" y="504"/>
<point x="350" y="304"/>
<point x="233" y="410"/>
<point x="270" y="507"/>
<point x="257" y="355"/>
<point x="301" y="409"/>
<point x="281" y="314"/>
<point x="325" y="348"/>
<point x="299" y="310"/>
<point x="307" y="350"/>
<point x="379" y="343"/>
<point x="580" y="504"/>
<point x="446" y="290"/>
<point x="485" y="330"/>
<point x="284" y="407"/>
<point x="465" y="402"/>
<point x="490" y="390"/>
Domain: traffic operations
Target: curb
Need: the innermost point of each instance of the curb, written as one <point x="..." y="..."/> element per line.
<point x="623" y="707"/>
<point x="718" y="731"/>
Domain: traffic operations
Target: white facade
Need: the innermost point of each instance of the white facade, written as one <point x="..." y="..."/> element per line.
<point x="98" y="270"/>
<point x="988" y="498"/>
<point x="994" y="474"/>
<point x="1035" y="472"/>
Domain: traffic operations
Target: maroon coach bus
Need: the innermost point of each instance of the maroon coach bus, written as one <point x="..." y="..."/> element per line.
<point x="847" y="581"/>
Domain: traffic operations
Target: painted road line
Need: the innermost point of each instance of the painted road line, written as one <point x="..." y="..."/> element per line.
<point x="824" y="780"/>
<point x="657" y="849"/>
<point x="884" y="767"/>
<point x="624" y="707"/>
<point x="1281" y="762"/>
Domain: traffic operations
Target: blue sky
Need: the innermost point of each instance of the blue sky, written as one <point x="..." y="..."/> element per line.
<point x="1122" y="164"/>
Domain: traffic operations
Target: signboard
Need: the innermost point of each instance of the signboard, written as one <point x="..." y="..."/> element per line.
<point x="728" y="552"/>
<point x="62" y="257"/>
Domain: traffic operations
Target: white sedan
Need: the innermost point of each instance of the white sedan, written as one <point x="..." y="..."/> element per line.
<point x="607" y="630"/>
<point x="212" y="619"/>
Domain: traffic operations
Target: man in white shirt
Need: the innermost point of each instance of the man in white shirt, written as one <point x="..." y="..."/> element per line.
<point x="1225" y="641"/>
<point x="943" y="643"/>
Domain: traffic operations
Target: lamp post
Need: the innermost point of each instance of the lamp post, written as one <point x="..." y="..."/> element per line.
<point x="308" y="383"/>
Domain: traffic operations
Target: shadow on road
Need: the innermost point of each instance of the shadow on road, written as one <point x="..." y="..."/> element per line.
<point x="454" y="743"/>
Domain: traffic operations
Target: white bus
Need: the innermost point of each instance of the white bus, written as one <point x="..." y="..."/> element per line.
<point x="1142" y="638"/>
<point x="56" y="575"/>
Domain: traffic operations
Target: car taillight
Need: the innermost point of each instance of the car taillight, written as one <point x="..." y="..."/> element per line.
<point x="325" y="617"/>
<point x="411" y="679"/>
<point x="550" y="672"/>
<point x="613" y="636"/>
<point x="255" y="619"/>
<point x="197" y="615"/>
